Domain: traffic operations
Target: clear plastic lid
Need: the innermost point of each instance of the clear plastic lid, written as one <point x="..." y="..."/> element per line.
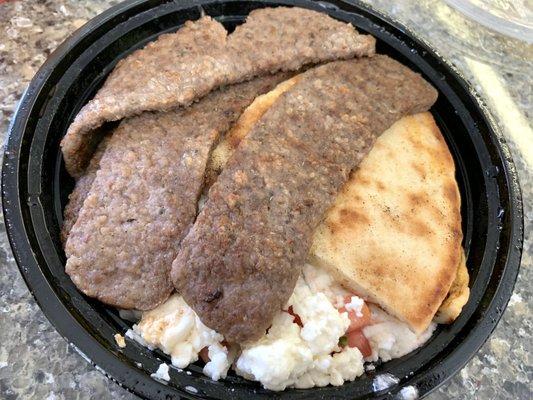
<point x="510" y="17"/>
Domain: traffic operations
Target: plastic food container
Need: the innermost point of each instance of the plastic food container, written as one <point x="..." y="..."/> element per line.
<point x="35" y="187"/>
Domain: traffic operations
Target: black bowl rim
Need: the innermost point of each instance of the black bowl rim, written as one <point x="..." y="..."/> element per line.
<point x="82" y="341"/>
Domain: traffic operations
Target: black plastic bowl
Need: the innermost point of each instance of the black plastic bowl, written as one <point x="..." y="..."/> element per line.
<point x="35" y="187"/>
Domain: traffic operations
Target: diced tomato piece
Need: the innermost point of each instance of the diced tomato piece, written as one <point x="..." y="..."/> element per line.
<point x="357" y="322"/>
<point x="359" y="340"/>
<point x="204" y="355"/>
<point x="296" y="319"/>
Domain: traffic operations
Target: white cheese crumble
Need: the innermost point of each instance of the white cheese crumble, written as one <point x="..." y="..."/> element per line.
<point x="161" y="373"/>
<point x="277" y="359"/>
<point x="333" y="369"/>
<point x="287" y="355"/>
<point x="290" y="356"/>
<point x="220" y="359"/>
<point x="356" y="305"/>
<point x="176" y="329"/>
<point x="323" y="325"/>
<point x="320" y="281"/>
<point x="390" y="338"/>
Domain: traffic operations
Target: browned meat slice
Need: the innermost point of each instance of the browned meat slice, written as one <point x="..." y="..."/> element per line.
<point x="81" y="190"/>
<point x="140" y="82"/>
<point x="239" y="263"/>
<point x="143" y="199"/>
<point x="182" y="67"/>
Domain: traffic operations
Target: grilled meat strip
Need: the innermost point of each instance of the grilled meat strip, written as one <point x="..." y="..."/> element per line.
<point x="143" y="198"/>
<point x="239" y="263"/>
<point x="182" y="67"/>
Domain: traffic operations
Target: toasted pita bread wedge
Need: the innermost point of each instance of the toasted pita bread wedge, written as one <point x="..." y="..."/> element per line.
<point x="457" y="297"/>
<point x="394" y="234"/>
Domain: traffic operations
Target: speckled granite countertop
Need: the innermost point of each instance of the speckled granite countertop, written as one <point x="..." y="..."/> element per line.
<point x="35" y="362"/>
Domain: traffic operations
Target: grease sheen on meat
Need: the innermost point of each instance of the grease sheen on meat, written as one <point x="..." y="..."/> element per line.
<point x="239" y="263"/>
<point x="143" y="198"/>
<point x="182" y="67"/>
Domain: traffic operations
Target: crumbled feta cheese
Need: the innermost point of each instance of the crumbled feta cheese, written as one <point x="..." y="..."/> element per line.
<point x="321" y="281"/>
<point x="391" y="338"/>
<point x="287" y="355"/>
<point x="333" y="369"/>
<point x="220" y="360"/>
<point x="277" y="359"/>
<point x="161" y="373"/>
<point x="323" y="325"/>
<point x="356" y="305"/>
<point x="301" y="357"/>
<point x="176" y="329"/>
